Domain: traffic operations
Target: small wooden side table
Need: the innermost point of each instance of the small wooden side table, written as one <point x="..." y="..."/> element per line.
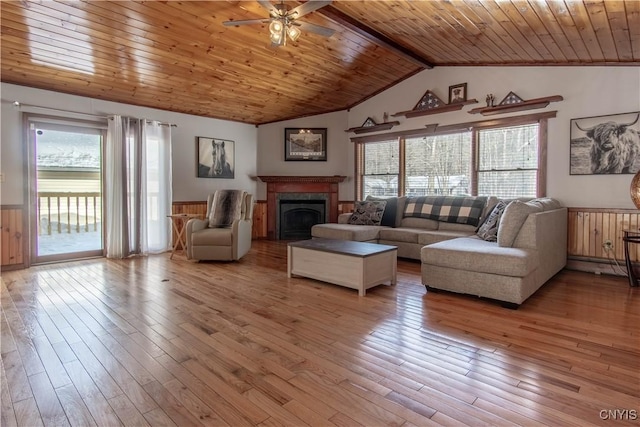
<point x="630" y="237"/>
<point x="179" y="221"/>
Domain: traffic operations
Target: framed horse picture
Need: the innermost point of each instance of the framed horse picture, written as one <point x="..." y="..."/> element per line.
<point x="215" y="158"/>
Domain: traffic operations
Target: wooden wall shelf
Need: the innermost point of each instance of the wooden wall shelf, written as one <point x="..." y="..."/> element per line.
<point x="531" y="104"/>
<point x="374" y="128"/>
<point x="436" y="110"/>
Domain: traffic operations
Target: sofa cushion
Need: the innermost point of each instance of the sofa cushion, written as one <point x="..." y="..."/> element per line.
<point x="390" y="210"/>
<point x="360" y="233"/>
<point x="424" y="223"/>
<point x="488" y="230"/>
<point x="492" y="201"/>
<point x="343" y="218"/>
<point x="431" y="237"/>
<point x="456" y="209"/>
<point x="512" y="219"/>
<point x="212" y="237"/>
<point x="448" y="226"/>
<point x="402" y="234"/>
<point x="475" y="254"/>
<point x="402" y="201"/>
<point x="546" y="203"/>
<point x="367" y="213"/>
<point x="227" y="206"/>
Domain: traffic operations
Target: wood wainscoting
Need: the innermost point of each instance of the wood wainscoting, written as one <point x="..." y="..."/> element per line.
<point x="260" y="217"/>
<point x="589" y="228"/>
<point x="13" y="246"/>
<point x="259" y="229"/>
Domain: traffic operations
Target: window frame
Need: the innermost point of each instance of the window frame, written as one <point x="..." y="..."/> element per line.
<point x="459" y="132"/>
<point x="480" y="171"/>
<point x="474" y="127"/>
<point x="360" y="155"/>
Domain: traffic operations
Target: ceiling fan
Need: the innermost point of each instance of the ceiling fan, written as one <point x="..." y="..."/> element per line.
<point x="284" y="20"/>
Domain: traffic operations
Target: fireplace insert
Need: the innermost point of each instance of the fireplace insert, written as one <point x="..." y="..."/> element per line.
<point x="298" y="216"/>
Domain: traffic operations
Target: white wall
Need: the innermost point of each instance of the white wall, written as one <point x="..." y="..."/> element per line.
<point x="339" y="152"/>
<point x="587" y="91"/>
<point x="186" y="185"/>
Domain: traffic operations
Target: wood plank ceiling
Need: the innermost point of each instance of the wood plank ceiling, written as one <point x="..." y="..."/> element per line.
<point x="177" y="55"/>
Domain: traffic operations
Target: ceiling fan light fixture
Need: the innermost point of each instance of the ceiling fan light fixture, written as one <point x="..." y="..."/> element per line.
<point x="293" y="32"/>
<point x="276" y="27"/>
<point x="278" y="34"/>
<point x="283" y="20"/>
<point x="277" y="38"/>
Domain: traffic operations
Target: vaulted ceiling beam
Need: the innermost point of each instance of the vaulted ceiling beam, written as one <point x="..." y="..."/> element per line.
<point x="372" y="35"/>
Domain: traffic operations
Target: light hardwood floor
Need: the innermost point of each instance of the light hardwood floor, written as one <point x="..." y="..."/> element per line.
<point x="154" y="341"/>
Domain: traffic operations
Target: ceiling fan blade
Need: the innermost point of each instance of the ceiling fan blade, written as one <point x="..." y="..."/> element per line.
<point x="266" y="4"/>
<point x="245" y="22"/>
<point x="308" y="7"/>
<point x="313" y="28"/>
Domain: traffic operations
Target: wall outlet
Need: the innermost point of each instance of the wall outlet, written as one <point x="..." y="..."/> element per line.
<point x="607" y="245"/>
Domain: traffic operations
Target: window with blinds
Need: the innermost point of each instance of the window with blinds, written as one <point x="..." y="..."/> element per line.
<point x="438" y="165"/>
<point x="508" y="161"/>
<point x="499" y="158"/>
<point x="379" y="166"/>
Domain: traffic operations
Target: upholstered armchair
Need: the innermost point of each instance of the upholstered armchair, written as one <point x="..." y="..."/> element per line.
<point x="225" y="233"/>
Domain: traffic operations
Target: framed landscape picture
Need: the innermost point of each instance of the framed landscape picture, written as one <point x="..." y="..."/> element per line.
<point x="305" y="144"/>
<point x="215" y="157"/>
<point x="604" y="145"/>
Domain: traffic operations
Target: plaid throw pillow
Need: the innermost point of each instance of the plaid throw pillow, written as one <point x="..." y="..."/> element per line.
<point x="367" y="213"/>
<point x="453" y="209"/>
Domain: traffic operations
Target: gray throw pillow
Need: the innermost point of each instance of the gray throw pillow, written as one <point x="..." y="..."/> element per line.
<point x="488" y="230"/>
<point x="367" y="213"/>
<point x="390" y="210"/>
<point x="515" y="214"/>
<point x="226" y="208"/>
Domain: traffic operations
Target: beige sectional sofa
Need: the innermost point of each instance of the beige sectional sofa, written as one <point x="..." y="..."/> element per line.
<point x="455" y="259"/>
<point x="409" y="234"/>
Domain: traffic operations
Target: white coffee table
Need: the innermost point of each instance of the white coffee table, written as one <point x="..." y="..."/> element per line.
<point x="355" y="265"/>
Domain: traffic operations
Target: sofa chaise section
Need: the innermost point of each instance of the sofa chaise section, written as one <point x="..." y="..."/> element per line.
<point x="511" y="274"/>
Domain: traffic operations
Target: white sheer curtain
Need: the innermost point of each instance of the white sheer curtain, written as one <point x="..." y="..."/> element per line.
<point x="138" y="187"/>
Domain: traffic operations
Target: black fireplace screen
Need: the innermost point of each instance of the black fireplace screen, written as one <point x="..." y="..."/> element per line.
<point x="298" y="216"/>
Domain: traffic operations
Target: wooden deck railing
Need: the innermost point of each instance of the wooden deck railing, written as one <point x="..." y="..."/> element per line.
<point x="66" y="212"/>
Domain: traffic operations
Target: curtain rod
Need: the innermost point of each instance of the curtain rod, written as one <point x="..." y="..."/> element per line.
<point x="19" y="104"/>
<point x="149" y="120"/>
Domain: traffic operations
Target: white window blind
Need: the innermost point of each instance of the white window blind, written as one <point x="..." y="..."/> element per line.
<point x="380" y="168"/>
<point x="438" y="165"/>
<point x="508" y="161"/>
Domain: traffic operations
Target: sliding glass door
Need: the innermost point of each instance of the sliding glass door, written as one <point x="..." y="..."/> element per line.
<point x="66" y="190"/>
